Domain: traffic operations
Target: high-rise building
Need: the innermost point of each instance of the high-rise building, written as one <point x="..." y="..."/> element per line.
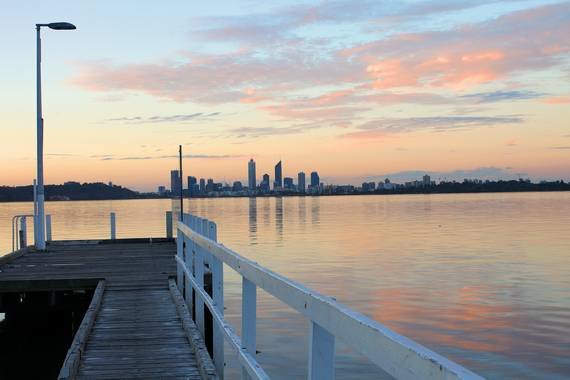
<point x="202" y="185"/>
<point x="237" y="186"/>
<point x="426" y="180"/>
<point x="161" y="190"/>
<point x="288" y="183"/>
<point x="301" y="182"/>
<point x="175" y="182"/>
<point x="264" y="185"/>
<point x="193" y="187"/>
<point x="315" y="180"/>
<point x="191" y="181"/>
<point x="278" y="184"/>
<point x="251" y="181"/>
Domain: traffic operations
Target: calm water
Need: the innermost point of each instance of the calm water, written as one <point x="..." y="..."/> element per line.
<point x="481" y="278"/>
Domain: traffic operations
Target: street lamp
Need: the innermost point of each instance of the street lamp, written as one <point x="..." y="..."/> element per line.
<point x="39" y="224"/>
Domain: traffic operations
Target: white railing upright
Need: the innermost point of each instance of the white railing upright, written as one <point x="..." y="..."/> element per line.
<point x="198" y="252"/>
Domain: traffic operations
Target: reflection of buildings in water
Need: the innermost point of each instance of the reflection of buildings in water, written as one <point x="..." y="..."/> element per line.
<point x="253" y="218"/>
<point x="302" y="209"/>
<point x="266" y="211"/>
<point x="279" y="217"/>
<point x="315" y="210"/>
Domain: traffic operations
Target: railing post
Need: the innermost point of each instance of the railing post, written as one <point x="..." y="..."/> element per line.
<point x="199" y="277"/>
<point x="189" y="246"/>
<point x="169" y="224"/>
<point x="113" y="227"/>
<point x="321" y="353"/>
<point x="248" y="319"/>
<point x="48" y="227"/>
<point x="179" y="249"/>
<point x="23" y="232"/>
<point x="217" y="268"/>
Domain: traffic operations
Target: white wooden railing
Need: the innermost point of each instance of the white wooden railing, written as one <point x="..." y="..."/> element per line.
<point x="198" y="251"/>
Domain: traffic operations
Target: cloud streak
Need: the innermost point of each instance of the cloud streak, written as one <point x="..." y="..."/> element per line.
<point x="111" y="157"/>
<point x="165" y="118"/>
<point x="386" y="126"/>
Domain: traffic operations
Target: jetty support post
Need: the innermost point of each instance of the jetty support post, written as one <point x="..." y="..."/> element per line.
<point x="169" y="224"/>
<point x="48" y="227"/>
<point x="113" y="226"/>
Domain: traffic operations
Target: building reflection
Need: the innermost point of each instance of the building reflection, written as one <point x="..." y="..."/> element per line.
<point x="315" y="211"/>
<point x="252" y="220"/>
<point x="302" y="209"/>
<point x="279" y="218"/>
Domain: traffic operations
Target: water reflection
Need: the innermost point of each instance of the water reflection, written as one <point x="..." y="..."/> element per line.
<point x="252" y="220"/>
<point x="316" y="211"/>
<point x="480" y="278"/>
<point x="279" y="219"/>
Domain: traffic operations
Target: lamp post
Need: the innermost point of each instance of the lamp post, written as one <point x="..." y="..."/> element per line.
<point x="39" y="224"/>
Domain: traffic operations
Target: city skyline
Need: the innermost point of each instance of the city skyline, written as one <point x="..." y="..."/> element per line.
<point x="333" y="84"/>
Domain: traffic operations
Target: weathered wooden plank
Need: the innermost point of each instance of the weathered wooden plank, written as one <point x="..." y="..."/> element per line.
<point x="137" y="331"/>
<point x="72" y="360"/>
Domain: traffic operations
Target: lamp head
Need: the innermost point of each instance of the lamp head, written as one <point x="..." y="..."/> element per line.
<point x="61" y="26"/>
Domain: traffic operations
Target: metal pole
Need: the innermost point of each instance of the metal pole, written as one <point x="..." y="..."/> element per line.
<point x="41" y="243"/>
<point x="181" y="187"/>
<point x="35" y="211"/>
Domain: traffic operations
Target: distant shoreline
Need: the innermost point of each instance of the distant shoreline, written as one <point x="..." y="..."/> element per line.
<point x="287" y="195"/>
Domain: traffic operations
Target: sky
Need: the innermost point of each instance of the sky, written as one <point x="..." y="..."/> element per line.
<point x="356" y="90"/>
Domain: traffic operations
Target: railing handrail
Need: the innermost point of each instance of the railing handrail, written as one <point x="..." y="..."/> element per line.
<point x="397" y="355"/>
<point x="15" y="219"/>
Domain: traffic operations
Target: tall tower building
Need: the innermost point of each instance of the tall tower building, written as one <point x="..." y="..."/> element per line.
<point x="301" y="182"/>
<point x="251" y="181"/>
<point x="315" y="180"/>
<point x="278" y="184"/>
<point x="202" y="185"/>
<point x="175" y="182"/>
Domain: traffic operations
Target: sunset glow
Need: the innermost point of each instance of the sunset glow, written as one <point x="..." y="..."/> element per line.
<point x="354" y="90"/>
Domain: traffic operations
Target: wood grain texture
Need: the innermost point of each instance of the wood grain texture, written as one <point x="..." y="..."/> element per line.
<point x="137" y="331"/>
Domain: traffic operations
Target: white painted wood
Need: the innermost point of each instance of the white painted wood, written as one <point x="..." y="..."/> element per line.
<point x="321" y="353"/>
<point x="248" y="319"/>
<point x="199" y="276"/>
<point x="169" y="224"/>
<point x="217" y="269"/>
<point x="48" y="227"/>
<point x="248" y="362"/>
<point x="113" y="226"/>
<point x="399" y="356"/>
<point x="179" y="272"/>
<point x="189" y="262"/>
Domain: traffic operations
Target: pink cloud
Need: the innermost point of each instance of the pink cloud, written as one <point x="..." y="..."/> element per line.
<point x="558" y="100"/>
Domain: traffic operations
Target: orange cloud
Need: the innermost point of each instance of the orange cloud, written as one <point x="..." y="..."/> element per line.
<point x="558" y="100"/>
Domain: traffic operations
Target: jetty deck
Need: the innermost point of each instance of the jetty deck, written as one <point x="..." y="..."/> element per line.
<point x="135" y="326"/>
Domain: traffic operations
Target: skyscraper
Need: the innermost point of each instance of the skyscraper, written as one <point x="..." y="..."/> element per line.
<point x="202" y="185"/>
<point x="315" y="180"/>
<point x="191" y="181"/>
<point x="192" y="185"/>
<point x="264" y="185"/>
<point x="278" y="184"/>
<point x="301" y="182"/>
<point x="251" y="181"/>
<point x="175" y="182"/>
<point x="288" y="183"/>
<point x="426" y="181"/>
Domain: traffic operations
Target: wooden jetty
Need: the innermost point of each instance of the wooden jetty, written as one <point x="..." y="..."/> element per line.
<point x="152" y="302"/>
<point x="136" y="325"/>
